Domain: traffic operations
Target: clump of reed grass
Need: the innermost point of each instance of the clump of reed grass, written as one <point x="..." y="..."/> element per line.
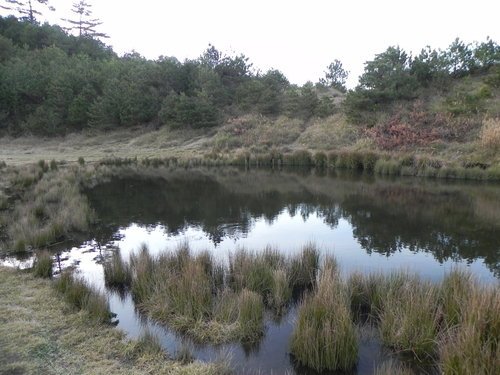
<point x="143" y="275"/>
<point x="325" y="337"/>
<point x="42" y="265"/>
<point x="4" y="202"/>
<point x="53" y="165"/>
<point x="252" y="271"/>
<point x="117" y="273"/>
<point x="304" y="267"/>
<point x="281" y="291"/>
<point x="226" y="306"/>
<point x="455" y="290"/>
<point x="147" y="346"/>
<point x="472" y="346"/>
<point x="368" y="160"/>
<point x="392" y="367"/>
<point x="349" y="160"/>
<point x="184" y="355"/>
<point x="365" y="293"/>
<point x="320" y="160"/>
<point x="387" y="167"/>
<point x="43" y="165"/>
<point x="81" y="296"/>
<point x="409" y="316"/>
<point x="250" y="315"/>
<point x="301" y="158"/>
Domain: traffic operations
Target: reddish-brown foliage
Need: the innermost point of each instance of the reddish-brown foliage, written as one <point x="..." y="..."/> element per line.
<point x="418" y="127"/>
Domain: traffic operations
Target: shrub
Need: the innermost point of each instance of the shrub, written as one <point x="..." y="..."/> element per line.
<point x="81" y="161"/>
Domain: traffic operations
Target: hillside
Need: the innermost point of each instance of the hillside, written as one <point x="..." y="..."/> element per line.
<point x="81" y="99"/>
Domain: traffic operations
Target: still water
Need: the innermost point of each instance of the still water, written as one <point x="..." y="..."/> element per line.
<point x="369" y="224"/>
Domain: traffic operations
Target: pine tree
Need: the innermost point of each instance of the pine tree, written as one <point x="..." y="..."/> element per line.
<point x="27" y="9"/>
<point x="85" y="25"/>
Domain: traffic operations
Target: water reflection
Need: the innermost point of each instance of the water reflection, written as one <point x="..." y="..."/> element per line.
<point x="453" y="222"/>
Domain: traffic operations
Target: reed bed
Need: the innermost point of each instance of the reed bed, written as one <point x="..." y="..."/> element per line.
<point x="455" y="323"/>
<point x="197" y="295"/>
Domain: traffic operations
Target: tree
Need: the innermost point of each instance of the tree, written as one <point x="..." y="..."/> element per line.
<point x="27" y="9"/>
<point x="388" y="76"/>
<point x="460" y="58"/>
<point x="335" y="76"/>
<point x="85" y="24"/>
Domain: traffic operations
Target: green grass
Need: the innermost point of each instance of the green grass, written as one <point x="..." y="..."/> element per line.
<point x="147" y="346"/>
<point x="325" y="336"/>
<point x="199" y="296"/>
<point x="42" y="265"/>
<point x="250" y="315"/>
<point x="304" y="267"/>
<point x="117" y="273"/>
<point x="392" y="367"/>
<point x="472" y="346"/>
<point x="78" y="294"/>
<point x="281" y="291"/>
<point x="409" y="320"/>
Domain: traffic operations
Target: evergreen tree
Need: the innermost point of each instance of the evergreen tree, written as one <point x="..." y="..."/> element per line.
<point x="27" y="9"/>
<point x="85" y="25"/>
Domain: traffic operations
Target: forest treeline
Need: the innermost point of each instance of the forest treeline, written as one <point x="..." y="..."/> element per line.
<point x="52" y="82"/>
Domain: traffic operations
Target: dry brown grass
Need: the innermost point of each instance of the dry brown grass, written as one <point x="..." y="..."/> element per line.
<point x="333" y="132"/>
<point x="40" y="335"/>
<point x="490" y="134"/>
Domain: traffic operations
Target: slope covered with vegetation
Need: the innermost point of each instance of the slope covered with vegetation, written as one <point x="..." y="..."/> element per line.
<point x="443" y="103"/>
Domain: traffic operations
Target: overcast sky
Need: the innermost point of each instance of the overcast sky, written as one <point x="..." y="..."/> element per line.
<point x="300" y="38"/>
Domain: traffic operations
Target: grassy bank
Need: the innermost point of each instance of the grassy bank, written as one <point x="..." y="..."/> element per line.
<point x="39" y="333"/>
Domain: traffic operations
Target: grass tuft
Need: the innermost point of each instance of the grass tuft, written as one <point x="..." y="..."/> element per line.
<point x="117" y="273"/>
<point x="325" y="337"/>
<point x="81" y="296"/>
<point x="250" y="315"/>
<point x="42" y="266"/>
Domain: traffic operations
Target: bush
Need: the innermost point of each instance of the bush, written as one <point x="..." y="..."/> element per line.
<point x="193" y="111"/>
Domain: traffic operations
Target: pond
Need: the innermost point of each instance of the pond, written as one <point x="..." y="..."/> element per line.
<point x="369" y="224"/>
